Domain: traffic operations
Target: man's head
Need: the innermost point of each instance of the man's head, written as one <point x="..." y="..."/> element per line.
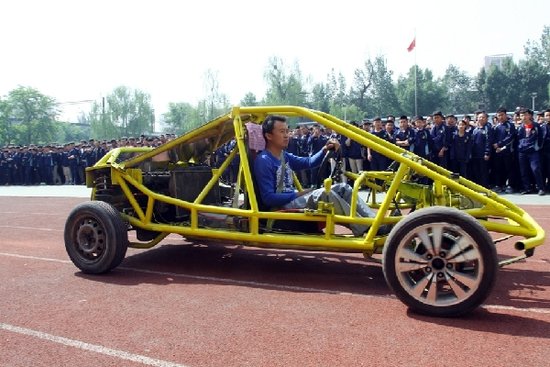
<point x="526" y="115"/>
<point x="275" y="132"/>
<point x="438" y="117"/>
<point x="501" y="115"/>
<point x="450" y="120"/>
<point x="419" y="122"/>
<point x="403" y="122"/>
<point x="482" y="118"/>
<point x="547" y="115"/>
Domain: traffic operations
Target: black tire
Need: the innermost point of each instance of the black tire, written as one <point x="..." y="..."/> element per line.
<point x="96" y="238"/>
<point x="445" y="278"/>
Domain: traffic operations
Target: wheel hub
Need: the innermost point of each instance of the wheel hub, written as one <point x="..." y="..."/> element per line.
<point x="89" y="237"/>
<point x="438" y="263"/>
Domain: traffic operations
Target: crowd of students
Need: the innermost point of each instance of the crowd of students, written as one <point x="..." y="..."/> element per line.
<point x="54" y="164"/>
<point x="510" y="153"/>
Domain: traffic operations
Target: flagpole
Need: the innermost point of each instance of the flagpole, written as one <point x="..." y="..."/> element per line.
<point x="415" y="79"/>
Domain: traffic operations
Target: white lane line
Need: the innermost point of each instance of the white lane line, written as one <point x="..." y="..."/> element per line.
<point x="35" y="258"/>
<point x="272" y="285"/>
<point x="512" y="308"/>
<point x="29" y="214"/>
<point x="34" y="228"/>
<point x="90" y="347"/>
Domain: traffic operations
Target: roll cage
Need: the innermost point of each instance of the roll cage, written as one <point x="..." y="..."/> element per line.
<point x="139" y="183"/>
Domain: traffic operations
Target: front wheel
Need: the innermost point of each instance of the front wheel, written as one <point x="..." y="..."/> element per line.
<point x="96" y="238"/>
<point x="440" y="261"/>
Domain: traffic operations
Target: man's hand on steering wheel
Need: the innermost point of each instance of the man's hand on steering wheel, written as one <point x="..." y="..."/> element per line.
<point x="332" y="144"/>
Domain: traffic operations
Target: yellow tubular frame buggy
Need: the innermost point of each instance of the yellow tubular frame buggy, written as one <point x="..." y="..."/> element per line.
<point x="438" y="258"/>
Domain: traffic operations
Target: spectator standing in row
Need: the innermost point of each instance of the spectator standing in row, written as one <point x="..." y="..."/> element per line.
<point x="439" y="140"/>
<point x="530" y="139"/>
<point x="503" y="145"/>
<point x="404" y="137"/>
<point x="461" y="150"/>
<point x="481" y="150"/>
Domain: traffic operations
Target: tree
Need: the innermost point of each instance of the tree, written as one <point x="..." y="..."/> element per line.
<point x="249" y="99"/>
<point x="124" y="112"/>
<point x="540" y="50"/>
<point x="430" y="93"/>
<point x="284" y="87"/>
<point x="5" y="123"/>
<point x="215" y="103"/>
<point x="460" y="93"/>
<point x="181" y="117"/>
<point x="32" y="116"/>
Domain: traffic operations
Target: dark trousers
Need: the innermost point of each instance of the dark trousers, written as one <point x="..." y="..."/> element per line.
<point x="545" y="157"/>
<point x="503" y="166"/>
<point x="480" y="171"/>
<point x="529" y="163"/>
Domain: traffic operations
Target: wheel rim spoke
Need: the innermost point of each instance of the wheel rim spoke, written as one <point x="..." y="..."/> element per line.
<point x="425" y="238"/>
<point x="437" y="236"/>
<point x="432" y="290"/>
<point x="457" y="289"/>
<point x="410" y="266"/>
<point x="467" y="254"/>
<point x="419" y="287"/>
<point x="468" y="280"/>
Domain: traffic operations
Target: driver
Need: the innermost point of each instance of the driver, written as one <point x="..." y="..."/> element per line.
<point x="273" y="172"/>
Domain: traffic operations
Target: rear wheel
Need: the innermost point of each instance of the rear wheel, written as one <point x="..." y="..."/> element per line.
<point x="440" y="261"/>
<point x="96" y="238"/>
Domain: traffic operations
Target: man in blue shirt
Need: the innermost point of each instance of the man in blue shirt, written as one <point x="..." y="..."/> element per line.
<point x="273" y="172"/>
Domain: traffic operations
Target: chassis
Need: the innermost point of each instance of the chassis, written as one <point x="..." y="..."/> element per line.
<point x="439" y="257"/>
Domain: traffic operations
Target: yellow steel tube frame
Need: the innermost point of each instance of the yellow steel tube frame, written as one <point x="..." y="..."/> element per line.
<point x="520" y="223"/>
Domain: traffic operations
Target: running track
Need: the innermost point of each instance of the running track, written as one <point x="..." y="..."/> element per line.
<point x="202" y="304"/>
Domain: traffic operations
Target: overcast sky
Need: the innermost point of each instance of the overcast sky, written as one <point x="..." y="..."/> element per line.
<point x="82" y="49"/>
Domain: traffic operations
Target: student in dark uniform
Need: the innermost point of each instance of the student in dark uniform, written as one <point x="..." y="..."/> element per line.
<point x="439" y="138"/>
<point x="460" y="150"/>
<point x="378" y="162"/>
<point x="529" y="143"/>
<point x="545" y="151"/>
<point x="404" y="137"/>
<point x="503" y="145"/>
<point x="422" y="143"/>
<point x="316" y="142"/>
<point x="481" y="150"/>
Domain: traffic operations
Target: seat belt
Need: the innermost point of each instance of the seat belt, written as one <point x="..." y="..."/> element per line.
<point x="280" y="186"/>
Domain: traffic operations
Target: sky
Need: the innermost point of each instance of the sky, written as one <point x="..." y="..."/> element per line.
<point x="80" y="50"/>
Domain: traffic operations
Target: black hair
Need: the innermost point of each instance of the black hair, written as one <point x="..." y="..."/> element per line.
<point x="501" y="109"/>
<point x="269" y="123"/>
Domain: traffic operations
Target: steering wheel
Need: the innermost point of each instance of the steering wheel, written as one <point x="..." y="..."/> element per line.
<point x="323" y="167"/>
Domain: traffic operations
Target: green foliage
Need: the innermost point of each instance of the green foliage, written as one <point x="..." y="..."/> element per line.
<point x="284" y="85"/>
<point x="181" y="117"/>
<point x="29" y="117"/>
<point x="249" y="99"/>
<point x="124" y="112"/>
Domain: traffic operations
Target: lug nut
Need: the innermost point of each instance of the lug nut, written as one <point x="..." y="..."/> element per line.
<point x="440" y="275"/>
<point x="442" y="254"/>
<point x="428" y="269"/>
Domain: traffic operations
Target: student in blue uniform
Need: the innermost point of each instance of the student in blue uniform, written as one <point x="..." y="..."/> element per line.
<point x="530" y="140"/>
<point x="422" y="143"/>
<point x="545" y="151"/>
<point x="482" y="137"/>
<point x="378" y="162"/>
<point x="440" y="140"/>
<point x="503" y="145"/>
<point x="404" y="137"/>
<point x="460" y="150"/>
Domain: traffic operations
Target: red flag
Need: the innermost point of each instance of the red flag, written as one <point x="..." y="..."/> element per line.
<point x="412" y="45"/>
